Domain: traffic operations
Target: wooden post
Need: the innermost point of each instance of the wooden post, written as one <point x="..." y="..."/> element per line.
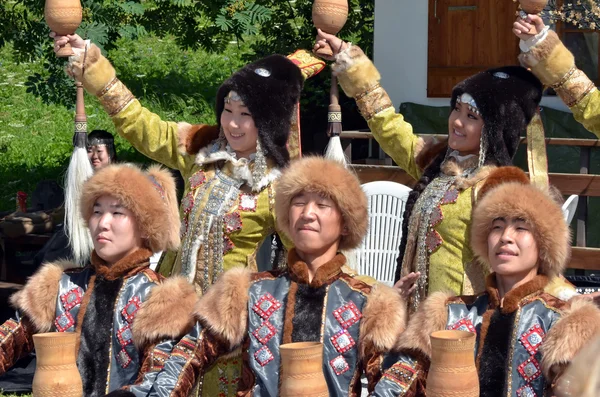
<point x="582" y="207"/>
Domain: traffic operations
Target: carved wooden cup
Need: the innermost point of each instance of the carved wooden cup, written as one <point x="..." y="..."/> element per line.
<point x="533" y="6"/>
<point x="452" y="371"/>
<point x="330" y="16"/>
<point x="56" y="371"/>
<point x="63" y="17"/>
<point x="302" y="370"/>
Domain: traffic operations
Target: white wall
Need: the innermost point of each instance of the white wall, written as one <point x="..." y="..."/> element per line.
<point x="401" y="52"/>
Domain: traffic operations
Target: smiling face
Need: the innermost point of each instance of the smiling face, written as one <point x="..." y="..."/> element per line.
<point x="98" y="156"/>
<point x="464" y="129"/>
<point x="114" y="230"/>
<point x="316" y="224"/>
<point x="239" y="128"/>
<point x="512" y="248"/>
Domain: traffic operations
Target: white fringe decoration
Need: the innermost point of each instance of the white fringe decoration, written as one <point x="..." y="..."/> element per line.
<point x="335" y="151"/>
<point x="80" y="240"/>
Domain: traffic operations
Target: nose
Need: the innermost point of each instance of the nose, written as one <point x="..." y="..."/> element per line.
<point x="458" y="122"/>
<point x="507" y="235"/>
<point x="309" y="211"/>
<point x="233" y="123"/>
<point x="104" y="221"/>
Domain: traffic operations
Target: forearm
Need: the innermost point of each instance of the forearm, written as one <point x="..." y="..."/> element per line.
<point x="360" y="80"/>
<point x="554" y="65"/>
<point x="403" y="376"/>
<point x="177" y="375"/>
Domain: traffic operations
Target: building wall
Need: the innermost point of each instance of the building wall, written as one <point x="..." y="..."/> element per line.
<point x="401" y="52"/>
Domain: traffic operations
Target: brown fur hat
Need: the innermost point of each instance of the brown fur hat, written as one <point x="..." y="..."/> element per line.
<point x="150" y="195"/>
<point x="315" y="174"/>
<point x="514" y="197"/>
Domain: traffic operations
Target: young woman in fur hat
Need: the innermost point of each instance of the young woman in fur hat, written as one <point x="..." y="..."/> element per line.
<point x="229" y="169"/>
<point x="554" y="65"/>
<point x="320" y="206"/>
<point x="525" y="336"/>
<point x="127" y="316"/>
<point x="490" y="111"/>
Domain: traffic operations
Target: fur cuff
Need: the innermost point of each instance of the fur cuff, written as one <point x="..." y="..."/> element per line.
<point x="432" y="316"/>
<point x="224" y="308"/>
<point x="97" y="71"/>
<point x="192" y="138"/>
<point x="549" y="60"/>
<point x="167" y="314"/>
<point x="37" y="299"/>
<point x="355" y="71"/>
<point x="384" y="319"/>
<point x="575" y="329"/>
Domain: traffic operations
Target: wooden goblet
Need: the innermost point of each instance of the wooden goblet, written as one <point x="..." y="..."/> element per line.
<point x="330" y="16"/>
<point x="63" y="17"/>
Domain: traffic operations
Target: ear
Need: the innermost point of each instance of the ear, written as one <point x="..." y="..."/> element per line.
<point x="345" y="230"/>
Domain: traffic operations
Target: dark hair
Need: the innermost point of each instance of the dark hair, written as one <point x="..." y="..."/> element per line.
<point x="103" y="137"/>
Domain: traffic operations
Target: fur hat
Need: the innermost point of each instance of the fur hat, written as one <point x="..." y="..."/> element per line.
<point x="270" y="88"/>
<point x="510" y="195"/>
<point x="316" y="174"/>
<point x="507" y="99"/>
<point x="150" y="195"/>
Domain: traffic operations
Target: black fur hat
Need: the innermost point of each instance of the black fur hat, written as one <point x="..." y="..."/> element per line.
<point x="270" y="88"/>
<point x="507" y="99"/>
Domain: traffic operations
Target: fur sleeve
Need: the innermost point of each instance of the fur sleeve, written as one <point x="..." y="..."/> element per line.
<point x="384" y="319"/>
<point x="224" y="308"/>
<point x="574" y="330"/>
<point x="549" y="60"/>
<point x="193" y="137"/>
<point x="37" y="299"/>
<point x="355" y="71"/>
<point x="92" y="69"/>
<point x="432" y="316"/>
<point x="166" y="314"/>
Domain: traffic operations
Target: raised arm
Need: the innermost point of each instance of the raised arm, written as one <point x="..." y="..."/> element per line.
<point x="159" y="140"/>
<point x="554" y="65"/>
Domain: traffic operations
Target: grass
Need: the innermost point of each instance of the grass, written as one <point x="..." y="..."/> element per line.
<point x="35" y="138"/>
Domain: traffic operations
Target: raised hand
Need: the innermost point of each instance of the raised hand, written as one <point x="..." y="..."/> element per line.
<point x="528" y="27"/>
<point x="406" y="285"/>
<point x="73" y="39"/>
<point x="325" y="40"/>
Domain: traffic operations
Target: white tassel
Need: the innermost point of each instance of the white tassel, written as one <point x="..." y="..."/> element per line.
<point x="335" y="151"/>
<point x="79" y="171"/>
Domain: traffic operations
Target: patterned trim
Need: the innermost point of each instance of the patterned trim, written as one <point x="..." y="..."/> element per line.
<point x="402" y="375"/>
<point x="575" y="88"/>
<point x="131" y="308"/>
<point x="373" y="102"/>
<point x="158" y="360"/>
<point x="114" y="97"/>
<point x="8" y="328"/>
<point x="564" y="79"/>
<point x="339" y="365"/>
<point x="184" y="349"/>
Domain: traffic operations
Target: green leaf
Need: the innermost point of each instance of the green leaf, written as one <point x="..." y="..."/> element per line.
<point x="97" y="32"/>
<point x="133" y="8"/>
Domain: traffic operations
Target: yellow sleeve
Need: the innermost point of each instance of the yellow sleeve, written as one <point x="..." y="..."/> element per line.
<point x="360" y="80"/>
<point x="554" y="65"/>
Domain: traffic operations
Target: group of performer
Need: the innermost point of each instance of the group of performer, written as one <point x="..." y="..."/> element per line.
<point x="483" y="248"/>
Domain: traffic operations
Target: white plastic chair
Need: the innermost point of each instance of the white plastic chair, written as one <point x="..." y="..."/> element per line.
<point x="376" y="256"/>
<point x="570" y="207"/>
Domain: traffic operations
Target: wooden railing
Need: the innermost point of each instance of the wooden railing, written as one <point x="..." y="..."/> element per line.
<point x="583" y="184"/>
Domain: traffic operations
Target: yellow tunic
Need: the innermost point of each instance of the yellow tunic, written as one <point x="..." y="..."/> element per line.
<point x="439" y="227"/>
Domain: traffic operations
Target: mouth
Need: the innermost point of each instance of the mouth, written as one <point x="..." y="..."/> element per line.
<point x="102" y="239"/>
<point x="506" y="253"/>
<point x="306" y="229"/>
<point x="236" y="136"/>
<point x="458" y="134"/>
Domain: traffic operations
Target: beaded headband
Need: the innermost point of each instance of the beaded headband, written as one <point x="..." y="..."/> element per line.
<point x="232" y="96"/>
<point x="99" y="142"/>
<point x="470" y="102"/>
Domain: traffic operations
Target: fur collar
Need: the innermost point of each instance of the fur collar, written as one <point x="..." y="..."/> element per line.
<point x="241" y="168"/>
<point x="464" y="179"/>
<point x="129" y="265"/>
<point x="325" y="274"/>
<point x="514" y="297"/>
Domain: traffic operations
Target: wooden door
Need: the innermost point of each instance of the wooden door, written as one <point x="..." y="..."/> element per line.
<point x="466" y="37"/>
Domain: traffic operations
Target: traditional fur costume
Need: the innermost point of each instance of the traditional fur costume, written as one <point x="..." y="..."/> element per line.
<point x="437" y="218"/>
<point x="128" y="316"/>
<point x="356" y="322"/>
<point x="227" y="207"/>
<point x="525" y="340"/>
<point x="554" y="65"/>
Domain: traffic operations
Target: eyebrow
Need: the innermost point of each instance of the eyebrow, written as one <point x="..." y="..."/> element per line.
<point x="500" y="218"/>
<point x="117" y="206"/>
